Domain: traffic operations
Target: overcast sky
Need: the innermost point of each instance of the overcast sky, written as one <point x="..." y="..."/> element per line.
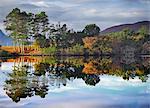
<point x="78" y="13"/>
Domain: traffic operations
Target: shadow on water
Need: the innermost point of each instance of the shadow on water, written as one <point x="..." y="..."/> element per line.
<point x="32" y="76"/>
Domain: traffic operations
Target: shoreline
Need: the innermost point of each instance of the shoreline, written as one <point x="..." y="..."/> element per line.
<point x="75" y="55"/>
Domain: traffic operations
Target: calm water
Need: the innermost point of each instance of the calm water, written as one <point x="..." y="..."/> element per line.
<point x="75" y="82"/>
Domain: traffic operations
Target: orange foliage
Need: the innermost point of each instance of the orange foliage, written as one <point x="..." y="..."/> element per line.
<point x="89" y="68"/>
<point x="89" y="41"/>
<point x="16" y="49"/>
<point x="10" y="49"/>
<point x="26" y="59"/>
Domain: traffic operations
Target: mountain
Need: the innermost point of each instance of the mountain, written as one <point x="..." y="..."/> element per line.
<point x="1" y="33"/>
<point x="4" y="40"/>
<point x="135" y="27"/>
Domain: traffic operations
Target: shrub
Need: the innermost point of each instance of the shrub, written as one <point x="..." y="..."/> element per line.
<point x="49" y="50"/>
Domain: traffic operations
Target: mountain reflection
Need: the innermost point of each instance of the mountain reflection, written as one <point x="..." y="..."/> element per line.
<point x="32" y="76"/>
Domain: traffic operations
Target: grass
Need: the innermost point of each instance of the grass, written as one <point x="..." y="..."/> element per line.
<point x="27" y="49"/>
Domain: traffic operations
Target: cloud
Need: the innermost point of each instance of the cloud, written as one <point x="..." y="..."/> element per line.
<point x="8" y="2"/>
<point x="78" y="13"/>
<point x="40" y="4"/>
<point x="28" y="6"/>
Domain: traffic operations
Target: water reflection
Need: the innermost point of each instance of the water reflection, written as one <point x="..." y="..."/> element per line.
<point x="32" y="76"/>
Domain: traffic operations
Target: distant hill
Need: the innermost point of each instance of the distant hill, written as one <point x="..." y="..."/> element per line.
<point x="4" y="40"/>
<point x="135" y="27"/>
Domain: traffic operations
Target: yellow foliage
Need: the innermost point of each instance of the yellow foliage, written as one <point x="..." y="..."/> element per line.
<point x="89" y="68"/>
<point x="139" y="72"/>
<point x="89" y="41"/>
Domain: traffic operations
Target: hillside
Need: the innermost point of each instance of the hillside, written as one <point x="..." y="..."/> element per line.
<point x="4" y="40"/>
<point x="135" y="27"/>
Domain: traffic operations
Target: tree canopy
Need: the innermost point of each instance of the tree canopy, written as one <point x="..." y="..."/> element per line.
<point x="91" y="30"/>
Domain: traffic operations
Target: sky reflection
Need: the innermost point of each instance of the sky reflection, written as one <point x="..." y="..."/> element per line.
<point x="110" y="92"/>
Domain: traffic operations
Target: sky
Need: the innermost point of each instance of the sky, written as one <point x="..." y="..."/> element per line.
<point x="78" y="13"/>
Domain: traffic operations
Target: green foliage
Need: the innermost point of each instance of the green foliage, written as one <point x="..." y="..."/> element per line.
<point x="77" y="49"/>
<point x="125" y="34"/>
<point x="20" y="83"/>
<point x="143" y="31"/>
<point x="58" y="35"/>
<point x="16" y="23"/>
<point x="49" y="50"/>
<point x="4" y="53"/>
<point x="23" y="83"/>
<point x="40" y="40"/>
<point x="40" y="23"/>
<point x="25" y="27"/>
<point x="49" y="60"/>
<point x="103" y="45"/>
<point x="91" y="30"/>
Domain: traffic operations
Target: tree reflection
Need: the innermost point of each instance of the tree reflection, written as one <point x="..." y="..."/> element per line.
<point x="36" y="78"/>
<point x="22" y="84"/>
<point x="17" y="85"/>
<point x="91" y="79"/>
<point x="41" y="69"/>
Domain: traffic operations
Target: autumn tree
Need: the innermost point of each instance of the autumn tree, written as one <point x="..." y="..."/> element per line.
<point x="89" y="41"/>
<point x="103" y="45"/>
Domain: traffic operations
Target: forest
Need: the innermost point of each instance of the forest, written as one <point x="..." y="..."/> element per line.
<point x="34" y="34"/>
